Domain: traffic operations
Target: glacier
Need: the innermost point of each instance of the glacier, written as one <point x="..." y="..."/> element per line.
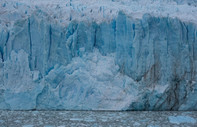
<point x="120" y="61"/>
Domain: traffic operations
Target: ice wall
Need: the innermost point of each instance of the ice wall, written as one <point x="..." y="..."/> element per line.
<point x="124" y="64"/>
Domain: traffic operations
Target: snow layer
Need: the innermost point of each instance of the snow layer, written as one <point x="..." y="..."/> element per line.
<point x="97" y="10"/>
<point x="98" y="55"/>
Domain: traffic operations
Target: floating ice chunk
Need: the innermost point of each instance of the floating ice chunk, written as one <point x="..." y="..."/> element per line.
<point x="27" y="125"/>
<point x="181" y="119"/>
<point x="153" y="126"/>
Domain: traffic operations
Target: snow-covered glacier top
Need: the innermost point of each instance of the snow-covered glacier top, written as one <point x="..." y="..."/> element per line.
<point x="64" y="11"/>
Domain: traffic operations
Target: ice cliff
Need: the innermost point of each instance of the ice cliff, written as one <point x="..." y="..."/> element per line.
<point x="104" y="55"/>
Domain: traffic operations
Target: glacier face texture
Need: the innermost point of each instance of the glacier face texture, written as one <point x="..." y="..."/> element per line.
<point x="124" y="64"/>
